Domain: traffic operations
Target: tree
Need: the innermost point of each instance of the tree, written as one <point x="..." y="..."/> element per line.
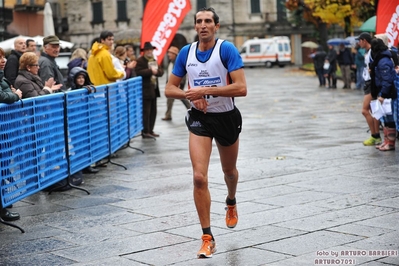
<point x="324" y="13"/>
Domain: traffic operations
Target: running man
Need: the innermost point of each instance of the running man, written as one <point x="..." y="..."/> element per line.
<point x="215" y="75"/>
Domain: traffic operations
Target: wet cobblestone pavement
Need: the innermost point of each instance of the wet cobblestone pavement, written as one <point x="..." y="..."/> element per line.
<point x="309" y="192"/>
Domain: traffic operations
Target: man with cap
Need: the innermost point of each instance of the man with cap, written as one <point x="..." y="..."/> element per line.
<point x="374" y="125"/>
<point x="12" y="65"/>
<point x="148" y="68"/>
<point x="172" y="54"/>
<point x="99" y="66"/>
<point x="47" y="65"/>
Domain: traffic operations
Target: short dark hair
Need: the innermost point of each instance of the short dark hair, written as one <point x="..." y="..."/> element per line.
<point x="364" y="36"/>
<point x="377" y="46"/>
<point x="105" y="34"/>
<point x="28" y="41"/>
<point x="210" y="9"/>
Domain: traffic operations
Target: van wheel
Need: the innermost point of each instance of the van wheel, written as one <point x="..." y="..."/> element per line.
<point x="269" y="64"/>
<point x="281" y="66"/>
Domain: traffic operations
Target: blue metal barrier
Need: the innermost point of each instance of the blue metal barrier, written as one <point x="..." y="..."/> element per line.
<point x="87" y="116"/>
<point x="118" y="115"/>
<point x="33" y="135"/>
<point x="135" y="106"/>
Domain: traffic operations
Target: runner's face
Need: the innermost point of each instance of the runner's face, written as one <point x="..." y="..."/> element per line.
<point x="205" y="26"/>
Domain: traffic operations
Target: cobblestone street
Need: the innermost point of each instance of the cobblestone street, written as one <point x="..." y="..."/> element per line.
<point x="309" y="191"/>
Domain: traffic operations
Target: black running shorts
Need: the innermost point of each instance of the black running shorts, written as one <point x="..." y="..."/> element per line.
<point x="224" y="127"/>
<point x="367" y="87"/>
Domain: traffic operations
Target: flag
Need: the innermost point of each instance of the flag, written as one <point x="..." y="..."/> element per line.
<point x="388" y="20"/>
<point x="161" y="20"/>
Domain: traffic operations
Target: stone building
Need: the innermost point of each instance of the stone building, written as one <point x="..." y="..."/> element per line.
<point x="81" y="21"/>
<point x="240" y="20"/>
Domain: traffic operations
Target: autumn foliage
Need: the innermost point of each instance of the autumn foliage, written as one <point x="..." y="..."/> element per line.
<point x="346" y="13"/>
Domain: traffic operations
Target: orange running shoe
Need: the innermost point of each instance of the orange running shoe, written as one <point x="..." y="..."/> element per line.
<point x="208" y="247"/>
<point x="231" y="216"/>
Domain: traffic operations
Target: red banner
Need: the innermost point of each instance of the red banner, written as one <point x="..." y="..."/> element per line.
<point x="388" y="20"/>
<point x="161" y="20"/>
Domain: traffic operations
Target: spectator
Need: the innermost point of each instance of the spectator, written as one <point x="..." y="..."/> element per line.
<point x="118" y="59"/>
<point x="359" y="62"/>
<point x="78" y="59"/>
<point x="128" y="66"/>
<point x="148" y="68"/>
<point x="130" y="52"/>
<point x="318" y="60"/>
<point x="12" y="65"/>
<point x="100" y="67"/>
<point x="172" y="54"/>
<point x="332" y="67"/>
<point x="31" y="46"/>
<point x="28" y="80"/>
<point x="47" y="65"/>
<point x="7" y="95"/>
<point x="345" y="61"/>
<point x="374" y="125"/>
<point x="31" y="85"/>
<point x="382" y="73"/>
<point x="79" y="78"/>
<point x="393" y="50"/>
<point x="130" y="70"/>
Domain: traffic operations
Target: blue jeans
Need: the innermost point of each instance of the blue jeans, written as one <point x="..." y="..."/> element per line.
<point x="359" y="77"/>
<point x="320" y="75"/>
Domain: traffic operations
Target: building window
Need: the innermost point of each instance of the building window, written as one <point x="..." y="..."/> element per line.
<point x="255" y="7"/>
<point x="201" y="4"/>
<point x="122" y="10"/>
<point x="281" y="11"/>
<point x="97" y="8"/>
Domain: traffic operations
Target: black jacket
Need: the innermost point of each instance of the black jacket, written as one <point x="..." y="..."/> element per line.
<point x="332" y="59"/>
<point x="73" y="74"/>
<point x="49" y="69"/>
<point x="12" y="66"/>
<point x="319" y="58"/>
<point x="345" y="57"/>
<point x="150" y="90"/>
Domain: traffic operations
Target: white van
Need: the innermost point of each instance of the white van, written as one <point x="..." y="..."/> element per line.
<point x="267" y="52"/>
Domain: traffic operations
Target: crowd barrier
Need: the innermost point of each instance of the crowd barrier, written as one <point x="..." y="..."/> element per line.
<point x="45" y="139"/>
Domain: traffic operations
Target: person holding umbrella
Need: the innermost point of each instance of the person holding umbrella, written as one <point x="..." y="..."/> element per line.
<point x="318" y="60"/>
<point x="345" y="61"/>
<point x="331" y="75"/>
